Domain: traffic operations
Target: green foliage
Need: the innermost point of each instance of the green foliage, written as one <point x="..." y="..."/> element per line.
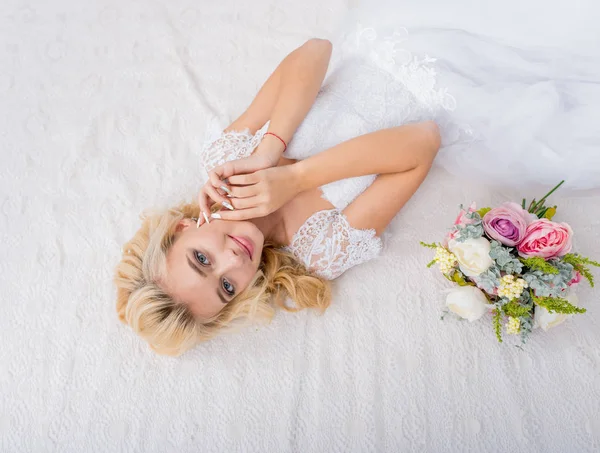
<point x="490" y="279"/>
<point x="581" y="264"/>
<point x="497" y="319"/>
<point x="431" y="263"/>
<point x="537" y="207"/>
<point x="432" y="245"/>
<point x="558" y="305"/>
<point x="459" y="278"/>
<point x="516" y="310"/>
<point x="576" y="258"/>
<point x="539" y="264"/>
<point x="483" y="211"/>
<point x="550" y="285"/>
<point x="505" y="261"/>
<point x="473" y="230"/>
<point x="526" y="328"/>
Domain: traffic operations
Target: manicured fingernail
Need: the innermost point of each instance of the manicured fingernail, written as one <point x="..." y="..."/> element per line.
<point x="227" y="205"/>
<point x="198" y="223"/>
<point x="215" y="216"/>
<point x="226" y="190"/>
<point x="205" y="217"/>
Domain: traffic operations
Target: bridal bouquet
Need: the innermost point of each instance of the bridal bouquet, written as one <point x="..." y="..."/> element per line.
<point x="515" y="262"/>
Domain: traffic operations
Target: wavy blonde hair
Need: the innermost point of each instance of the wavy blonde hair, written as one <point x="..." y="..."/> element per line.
<point x="168" y="325"/>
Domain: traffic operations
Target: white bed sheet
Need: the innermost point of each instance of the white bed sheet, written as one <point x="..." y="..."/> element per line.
<point x="102" y="110"/>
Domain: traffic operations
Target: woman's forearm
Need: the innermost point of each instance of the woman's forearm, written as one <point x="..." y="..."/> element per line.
<point x="299" y="83"/>
<point x="387" y="151"/>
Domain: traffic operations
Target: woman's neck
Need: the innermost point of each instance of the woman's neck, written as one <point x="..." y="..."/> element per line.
<point x="272" y="227"/>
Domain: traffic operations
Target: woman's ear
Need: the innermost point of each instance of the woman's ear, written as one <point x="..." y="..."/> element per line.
<point x="184" y="224"/>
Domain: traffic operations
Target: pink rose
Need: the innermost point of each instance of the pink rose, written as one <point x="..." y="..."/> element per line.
<point x="546" y="239"/>
<point x="506" y="223"/>
<point x="461" y="220"/>
<point x="576" y="279"/>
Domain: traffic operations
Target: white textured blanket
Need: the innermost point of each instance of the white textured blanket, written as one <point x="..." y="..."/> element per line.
<point x="102" y="110"/>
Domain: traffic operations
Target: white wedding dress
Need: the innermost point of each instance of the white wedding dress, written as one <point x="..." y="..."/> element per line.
<point x="506" y="116"/>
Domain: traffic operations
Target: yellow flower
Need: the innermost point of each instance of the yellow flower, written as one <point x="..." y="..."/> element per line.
<point x="511" y="287"/>
<point x="513" y="326"/>
<point x="445" y="259"/>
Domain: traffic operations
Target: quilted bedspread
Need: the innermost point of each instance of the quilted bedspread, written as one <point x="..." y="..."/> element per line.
<point x="102" y="113"/>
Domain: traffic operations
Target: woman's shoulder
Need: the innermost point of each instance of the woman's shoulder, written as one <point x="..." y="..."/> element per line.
<point x="328" y="245"/>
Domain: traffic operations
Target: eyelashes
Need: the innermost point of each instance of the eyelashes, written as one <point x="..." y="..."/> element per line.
<point x="202" y="258"/>
<point x="227" y="286"/>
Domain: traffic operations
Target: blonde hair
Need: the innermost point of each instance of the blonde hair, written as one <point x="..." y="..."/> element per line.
<point x="168" y="325"/>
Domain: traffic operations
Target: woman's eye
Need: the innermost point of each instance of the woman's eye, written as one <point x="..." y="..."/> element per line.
<point x="228" y="287"/>
<point x="202" y="259"/>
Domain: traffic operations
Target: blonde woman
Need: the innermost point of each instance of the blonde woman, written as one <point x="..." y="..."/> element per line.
<point x="300" y="188"/>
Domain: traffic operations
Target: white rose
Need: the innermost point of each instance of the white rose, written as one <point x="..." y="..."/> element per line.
<point x="546" y="320"/>
<point x="467" y="302"/>
<point x="473" y="255"/>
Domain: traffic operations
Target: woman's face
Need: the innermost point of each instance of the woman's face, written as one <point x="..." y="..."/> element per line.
<point x="210" y="265"/>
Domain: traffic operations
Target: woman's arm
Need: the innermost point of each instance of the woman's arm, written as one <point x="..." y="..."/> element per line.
<point x="287" y="95"/>
<point x="401" y="156"/>
<point x="285" y="99"/>
<point x="394" y="150"/>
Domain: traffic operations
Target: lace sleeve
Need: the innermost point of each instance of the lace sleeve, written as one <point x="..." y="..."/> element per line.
<point x="221" y="147"/>
<point x="328" y="245"/>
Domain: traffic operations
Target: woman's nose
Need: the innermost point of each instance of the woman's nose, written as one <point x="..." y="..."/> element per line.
<point x="233" y="259"/>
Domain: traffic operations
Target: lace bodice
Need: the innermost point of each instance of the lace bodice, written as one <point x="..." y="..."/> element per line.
<point x="326" y="243"/>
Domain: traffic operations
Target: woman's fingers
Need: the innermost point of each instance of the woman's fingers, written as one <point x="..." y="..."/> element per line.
<point x="244" y="191"/>
<point x="245" y="180"/>
<point x="203" y="203"/>
<point x="240" y="214"/>
<point x="245" y="203"/>
<point x="216" y="196"/>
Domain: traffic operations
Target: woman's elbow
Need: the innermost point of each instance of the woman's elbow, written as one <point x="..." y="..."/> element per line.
<point x="318" y="49"/>
<point x="432" y="140"/>
<point x="321" y="44"/>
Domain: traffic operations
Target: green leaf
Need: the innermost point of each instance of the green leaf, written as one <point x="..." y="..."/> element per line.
<point x="523" y="203"/>
<point x="558" y="305"/>
<point x="431" y="263"/>
<point x="580" y="264"/>
<point x="483" y="211"/>
<point x="531" y="205"/>
<point x="516" y="310"/>
<point x="432" y="245"/>
<point x="576" y="258"/>
<point x="539" y="264"/>
<point x="458" y="277"/>
<point x="536" y="206"/>
<point x="550" y="212"/>
<point x="497" y="319"/>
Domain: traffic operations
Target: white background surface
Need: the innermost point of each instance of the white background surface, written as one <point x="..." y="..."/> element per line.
<point x="102" y="109"/>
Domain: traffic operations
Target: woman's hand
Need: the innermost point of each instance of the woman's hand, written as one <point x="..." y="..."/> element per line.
<point x="265" y="156"/>
<point x="260" y="193"/>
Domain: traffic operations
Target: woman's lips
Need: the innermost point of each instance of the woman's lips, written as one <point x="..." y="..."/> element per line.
<point x="246" y="244"/>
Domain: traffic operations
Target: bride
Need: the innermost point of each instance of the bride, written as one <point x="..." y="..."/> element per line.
<point x="301" y="186"/>
<point x="290" y="224"/>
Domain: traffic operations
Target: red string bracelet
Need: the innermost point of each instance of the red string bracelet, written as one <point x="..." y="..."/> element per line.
<point x="275" y="135"/>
